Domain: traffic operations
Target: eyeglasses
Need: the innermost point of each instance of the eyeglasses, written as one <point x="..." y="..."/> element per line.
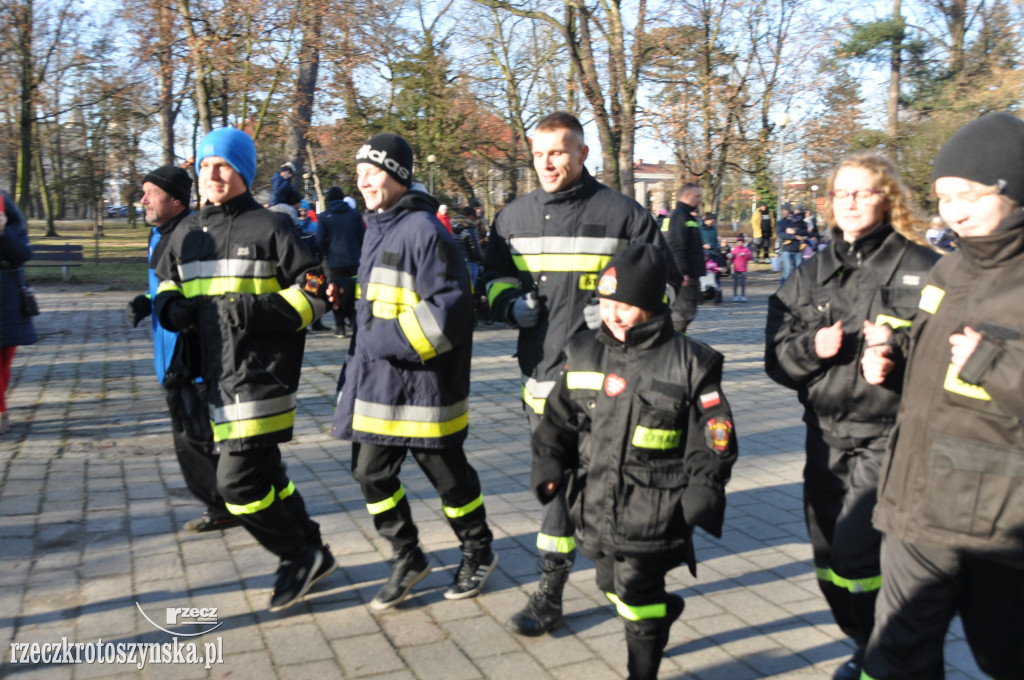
<point x="860" y="195"/>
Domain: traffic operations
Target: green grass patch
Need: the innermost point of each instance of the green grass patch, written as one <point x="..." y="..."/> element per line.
<point x="116" y="260"/>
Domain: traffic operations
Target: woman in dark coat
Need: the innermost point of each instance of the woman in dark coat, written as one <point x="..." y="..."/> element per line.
<point x="15" y="328"/>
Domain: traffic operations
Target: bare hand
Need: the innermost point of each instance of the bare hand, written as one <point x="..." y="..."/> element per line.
<point x="962" y="346"/>
<point x="334" y="293"/>
<point x="828" y="340"/>
<point x="876" y="364"/>
<point x="550" y="488"/>
<point x="876" y="335"/>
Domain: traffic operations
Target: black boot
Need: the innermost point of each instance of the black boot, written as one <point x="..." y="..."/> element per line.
<point x="544" y="610"/>
<point x="646" y="641"/>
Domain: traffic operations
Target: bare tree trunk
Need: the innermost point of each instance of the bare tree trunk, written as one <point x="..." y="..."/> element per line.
<point x="44" y="190"/>
<point x="165" y="61"/>
<point x="893" y="106"/>
<point x="305" y="85"/>
<point x="202" y="95"/>
<point x="27" y="110"/>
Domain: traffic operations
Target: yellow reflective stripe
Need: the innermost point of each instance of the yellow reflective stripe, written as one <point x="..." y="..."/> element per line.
<point x="409" y="428"/>
<point x="584" y="380"/>
<point x="554" y="262"/>
<point x="533" y="402"/>
<point x="166" y="286"/>
<point x="414" y="334"/>
<point x="854" y="585"/>
<point x="665" y="222"/>
<point x="298" y="301"/>
<point x="239" y="429"/>
<point x="954" y="384"/>
<point x="864" y="676"/>
<point x="287" y="491"/>
<point x="691" y="223"/>
<point x="391" y="294"/>
<point x="645" y="611"/>
<point x="229" y="284"/>
<point x="930" y="298"/>
<point x="469" y="507"/>
<point x="387" y="503"/>
<point x="556" y="544"/>
<point x="359" y="291"/>
<point x="650" y="438"/>
<point x="499" y="286"/>
<point x="386" y="310"/>
<point x="893" y="321"/>
<point x="250" y="508"/>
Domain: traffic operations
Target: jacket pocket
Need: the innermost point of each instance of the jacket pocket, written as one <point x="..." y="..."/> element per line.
<point x="973" y="488"/>
<point x="660" y="432"/>
<point x="650" y="508"/>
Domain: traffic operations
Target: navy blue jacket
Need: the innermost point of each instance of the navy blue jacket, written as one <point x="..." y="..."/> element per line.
<point x="163" y="339"/>
<point x="405" y="381"/>
<point x="340" y="234"/>
<point x="15" y="327"/>
<point x="282" y="191"/>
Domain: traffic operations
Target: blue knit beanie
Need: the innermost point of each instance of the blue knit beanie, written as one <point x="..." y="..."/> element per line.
<point x="234" y="146"/>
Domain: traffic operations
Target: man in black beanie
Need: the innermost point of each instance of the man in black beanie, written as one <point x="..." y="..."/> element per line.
<point x="636" y="429"/>
<point x="951" y="501"/>
<point x="166" y="194"/>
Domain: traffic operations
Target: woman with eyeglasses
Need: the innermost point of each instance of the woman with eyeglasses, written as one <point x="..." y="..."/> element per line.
<point x="820" y="322"/>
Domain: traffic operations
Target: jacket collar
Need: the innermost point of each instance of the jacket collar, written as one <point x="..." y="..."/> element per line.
<point x="1005" y="244"/>
<point x="584" y="187"/>
<point x="168" y="226"/>
<point x="237" y="205"/>
<point x="650" y="333"/>
<point x="880" y="249"/>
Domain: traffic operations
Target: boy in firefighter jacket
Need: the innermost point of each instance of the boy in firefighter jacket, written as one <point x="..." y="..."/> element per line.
<point x="240" y="274"/>
<point x="639" y="431"/>
<point x="405" y="383"/>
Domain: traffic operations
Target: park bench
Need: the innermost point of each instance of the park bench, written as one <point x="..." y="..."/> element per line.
<point x="53" y="255"/>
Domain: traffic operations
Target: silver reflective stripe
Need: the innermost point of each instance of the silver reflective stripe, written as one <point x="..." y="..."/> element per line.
<point x="210" y="269"/>
<point x="249" y="410"/>
<point x="538" y="389"/>
<point x="548" y="245"/>
<point x="428" y="324"/>
<point x="392" y="277"/>
<point x="418" y="414"/>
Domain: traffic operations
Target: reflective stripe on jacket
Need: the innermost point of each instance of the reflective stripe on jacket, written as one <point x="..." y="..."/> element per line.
<point x="240" y="253"/>
<point x="557" y="244"/>
<point x="405" y="381"/>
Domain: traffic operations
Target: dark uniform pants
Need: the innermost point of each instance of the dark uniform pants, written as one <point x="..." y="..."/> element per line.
<point x="339" y="273"/>
<point x="637" y="585"/>
<point x="257" y="490"/>
<point x="198" y="465"/>
<point x="376" y="468"/>
<point x="840" y="493"/>
<point x="923" y="587"/>
<point x="684" y="309"/>
<point x="556" y="540"/>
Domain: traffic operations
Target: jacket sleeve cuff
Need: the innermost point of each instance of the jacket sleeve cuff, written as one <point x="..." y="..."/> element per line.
<point x="544" y="471"/>
<point x="981" y="360"/>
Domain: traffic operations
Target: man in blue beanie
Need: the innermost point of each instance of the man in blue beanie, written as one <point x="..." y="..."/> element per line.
<point x="239" y="274"/>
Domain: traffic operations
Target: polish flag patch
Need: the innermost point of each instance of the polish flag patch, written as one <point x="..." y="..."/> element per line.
<point x="613" y="385"/>
<point x="710" y="400"/>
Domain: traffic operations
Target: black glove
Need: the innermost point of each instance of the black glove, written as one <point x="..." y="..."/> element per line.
<point x="177" y="313"/>
<point x="703" y="507"/>
<point x="138" y="309"/>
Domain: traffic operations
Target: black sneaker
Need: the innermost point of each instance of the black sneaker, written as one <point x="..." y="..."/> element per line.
<point x="474" y="570"/>
<point x="327" y="567"/>
<point x="406" y="572"/>
<point x="851" y="669"/>
<point x="294" y="577"/>
<point x="211" y="522"/>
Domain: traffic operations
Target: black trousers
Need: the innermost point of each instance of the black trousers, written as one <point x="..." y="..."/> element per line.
<point x="638" y="583"/>
<point x="257" y="490"/>
<point x="684" y="308"/>
<point x="198" y="465"/>
<point x="840" y="493"/>
<point x="923" y="587"/>
<point x="339" y="273"/>
<point x="556" y="539"/>
<point x="376" y="468"/>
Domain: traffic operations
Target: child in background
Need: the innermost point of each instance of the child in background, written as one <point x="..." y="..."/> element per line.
<point x="740" y="256"/>
<point x="638" y="428"/>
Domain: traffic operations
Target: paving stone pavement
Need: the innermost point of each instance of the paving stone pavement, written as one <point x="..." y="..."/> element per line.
<point x="92" y="504"/>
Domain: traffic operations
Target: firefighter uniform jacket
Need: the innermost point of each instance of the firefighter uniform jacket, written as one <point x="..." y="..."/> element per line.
<point x="406" y="378"/>
<point x="557" y="244"/>
<point x="878" y="277"/>
<point x="245" y="268"/>
<point x="682" y="235"/>
<point x="954" y="472"/>
<point x="645" y="431"/>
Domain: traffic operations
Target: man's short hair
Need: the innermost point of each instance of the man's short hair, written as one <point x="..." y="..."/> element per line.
<point x="687" y="188"/>
<point x="561" y="120"/>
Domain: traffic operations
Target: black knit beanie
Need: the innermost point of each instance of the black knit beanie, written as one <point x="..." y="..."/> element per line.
<point x="988" y="150"/>
<point x="391" y="153"/>
<point x="334" y="194"/>
<point x="174" y="180"/>
<point x="636" y="276"/>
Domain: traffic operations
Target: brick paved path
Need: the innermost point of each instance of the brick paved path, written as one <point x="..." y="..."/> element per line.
<point x="92" y="502"/>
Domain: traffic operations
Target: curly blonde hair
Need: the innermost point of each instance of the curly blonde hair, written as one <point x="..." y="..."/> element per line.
<point x="902" y="213"/>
